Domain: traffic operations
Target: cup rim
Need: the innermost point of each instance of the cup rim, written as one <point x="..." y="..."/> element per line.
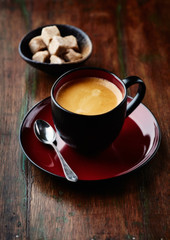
<point x="87" y="68"/>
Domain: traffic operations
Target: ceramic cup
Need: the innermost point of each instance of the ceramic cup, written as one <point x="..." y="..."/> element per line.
<point x="91" y="133"/>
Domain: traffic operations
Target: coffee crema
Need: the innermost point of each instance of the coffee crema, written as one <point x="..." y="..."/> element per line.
<point x="89" y="96"/>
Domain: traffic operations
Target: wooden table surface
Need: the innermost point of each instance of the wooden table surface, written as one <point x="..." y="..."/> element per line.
<point x="129" y="38"/>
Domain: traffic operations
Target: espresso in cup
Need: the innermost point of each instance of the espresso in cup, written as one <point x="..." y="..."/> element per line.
<point x="89" y="107"/>
<point x="89" y="96"/>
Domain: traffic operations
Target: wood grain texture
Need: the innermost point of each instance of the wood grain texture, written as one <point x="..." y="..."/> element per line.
<point x="130" y="37"/>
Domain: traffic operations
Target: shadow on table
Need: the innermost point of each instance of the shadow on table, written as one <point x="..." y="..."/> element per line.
<point x="115" y="186"/>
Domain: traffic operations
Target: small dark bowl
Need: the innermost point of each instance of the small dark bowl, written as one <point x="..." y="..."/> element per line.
<point x="83" y="40"/>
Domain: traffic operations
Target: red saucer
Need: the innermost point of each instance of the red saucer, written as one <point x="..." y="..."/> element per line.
<point x="136" y="144"/>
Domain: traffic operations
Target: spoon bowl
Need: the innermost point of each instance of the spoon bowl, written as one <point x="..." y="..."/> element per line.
<point x="44" y="132"/>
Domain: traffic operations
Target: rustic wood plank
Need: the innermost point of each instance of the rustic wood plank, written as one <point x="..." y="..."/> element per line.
<point x="13" y="190"/>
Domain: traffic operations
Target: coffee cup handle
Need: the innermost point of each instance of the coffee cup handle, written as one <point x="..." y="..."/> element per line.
<point x="129" y="81"/>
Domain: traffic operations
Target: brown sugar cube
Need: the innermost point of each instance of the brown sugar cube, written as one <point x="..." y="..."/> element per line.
<point x="48" y="33"/>
<point x="56" y="59"/>
<point x="36" y="44"/>
<point x="41" y="56"/>
<point x="57" y="46"/>
<point x="72" y="56"/>
<point x="71" y="42"/>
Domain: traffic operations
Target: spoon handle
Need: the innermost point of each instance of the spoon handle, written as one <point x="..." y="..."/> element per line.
<point x="69" y="174"/>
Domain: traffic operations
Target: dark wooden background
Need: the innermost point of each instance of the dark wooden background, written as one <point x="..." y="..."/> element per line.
<point x="130" y="37"/>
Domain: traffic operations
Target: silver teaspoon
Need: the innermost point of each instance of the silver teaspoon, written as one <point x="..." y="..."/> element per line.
<point x="46" y="134"/>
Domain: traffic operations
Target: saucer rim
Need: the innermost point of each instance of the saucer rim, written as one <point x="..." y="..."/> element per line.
<point x="131" y="170"/>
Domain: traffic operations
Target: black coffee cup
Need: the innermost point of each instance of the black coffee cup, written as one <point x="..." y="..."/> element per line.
<point x="91" y="133"/>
